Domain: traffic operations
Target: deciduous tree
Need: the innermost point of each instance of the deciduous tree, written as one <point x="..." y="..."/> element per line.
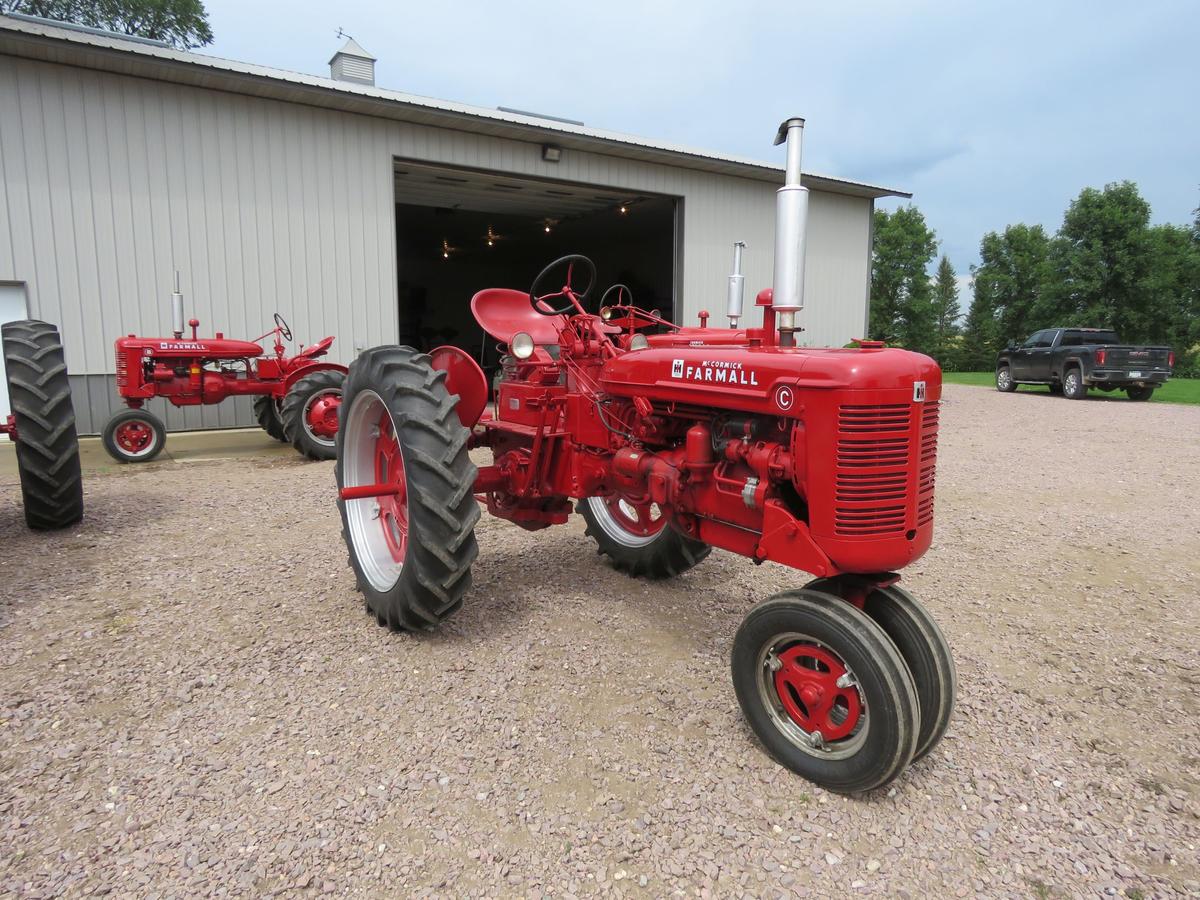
<point x="181" y="23"/>
<point x="902" y="309"/>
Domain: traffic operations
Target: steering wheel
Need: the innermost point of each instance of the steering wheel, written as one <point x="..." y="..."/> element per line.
<point x="540" y="301"/>
<point x="628" y="301"/>
<point x="283" y="327"/>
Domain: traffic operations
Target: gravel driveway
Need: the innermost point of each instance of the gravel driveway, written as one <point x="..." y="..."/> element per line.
<point x="192" y="700"/>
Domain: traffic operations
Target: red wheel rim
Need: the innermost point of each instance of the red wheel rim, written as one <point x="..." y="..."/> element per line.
<point x="321" y="414"/>
<point x="134" y="436"/>
<point x="393" y="508"/>
<point x="642" y="519"/>
<point x="807" y="684"/>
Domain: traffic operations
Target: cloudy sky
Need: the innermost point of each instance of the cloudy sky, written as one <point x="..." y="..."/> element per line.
<point x="989" y="112"/>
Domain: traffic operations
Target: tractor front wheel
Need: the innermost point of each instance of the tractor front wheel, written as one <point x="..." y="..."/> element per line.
<point x="922" y="646"/>
<point x="310" y="413"/>
<point x="826" y="691"/>
<point x="266" y="411"/>
<point x="134" y="436"/>
<point x="637" y="537"/>
<point x="405" y="489"/>
<point x="47" y="444"/>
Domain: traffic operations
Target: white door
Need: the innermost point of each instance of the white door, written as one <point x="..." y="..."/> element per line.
<point x="12" y="308"/>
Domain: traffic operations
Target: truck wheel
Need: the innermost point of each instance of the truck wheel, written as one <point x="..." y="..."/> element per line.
<point x="266" y="411"/>
<point x="310" y="413"/>
<point x="1004" y="380"/>
<point x="826" y="691"/>
<point x="637" y="538"/>
<point x="1073" y="386"/>
<point x="47" y="445"/>
<point x="1140" y="394"/>
<point x="134" y="435"/>
<point x="412" y="544"/>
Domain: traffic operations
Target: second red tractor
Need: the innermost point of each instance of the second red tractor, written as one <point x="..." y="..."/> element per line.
<point x="671" y="444"/>
<point x="296" y="398"/>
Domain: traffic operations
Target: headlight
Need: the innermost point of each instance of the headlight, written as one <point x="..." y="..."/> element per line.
<point x="638" y="342"/>
<point x="521" y="345"/>
<point x="606" y="313"/>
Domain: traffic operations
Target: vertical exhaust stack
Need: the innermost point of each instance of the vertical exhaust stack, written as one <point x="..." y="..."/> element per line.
<point x="791" y="223"/>
<point x="737" y="286"/>
<point x="177" y="308"/>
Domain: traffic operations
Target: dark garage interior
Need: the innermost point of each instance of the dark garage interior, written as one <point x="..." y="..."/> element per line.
<point x="460" y="231"/>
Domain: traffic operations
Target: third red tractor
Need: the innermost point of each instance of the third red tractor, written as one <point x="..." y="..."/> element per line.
<point x="670" y="444"/>
<point x="296" y="398"/>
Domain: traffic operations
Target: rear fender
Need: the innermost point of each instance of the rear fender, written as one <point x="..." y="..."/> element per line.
<point x="307" y="368"/>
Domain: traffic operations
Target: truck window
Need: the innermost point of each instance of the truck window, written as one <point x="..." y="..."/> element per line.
<point x="1071" y="339"/>
<point x="1034" y="340"/>
<point x="1101" y="337"/>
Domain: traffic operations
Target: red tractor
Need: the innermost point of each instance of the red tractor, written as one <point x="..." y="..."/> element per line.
<point x="296" y="398"/>
<point x="669" y="444"/>
<point x="42" y="423"/>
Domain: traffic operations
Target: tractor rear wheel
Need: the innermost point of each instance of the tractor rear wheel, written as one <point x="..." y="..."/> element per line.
<point x="412" y="543"/>
<point x="47" y="445"/>
<point x="826" y="691"/>
<point x="922" y="646"/>
<point x="637" y="537"/>
<point x="134" y="436"/>
<point x="310" y="413"/>
<point x="266" y="411"/>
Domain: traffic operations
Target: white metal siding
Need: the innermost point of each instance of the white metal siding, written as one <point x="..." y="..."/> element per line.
<point x="109" y="183"/>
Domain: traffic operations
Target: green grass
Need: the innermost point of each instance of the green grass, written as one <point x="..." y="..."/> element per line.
<point x="1176" y="390"/>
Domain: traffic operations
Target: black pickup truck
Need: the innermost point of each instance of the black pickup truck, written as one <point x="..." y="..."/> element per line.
<point x="1070" y="360"/>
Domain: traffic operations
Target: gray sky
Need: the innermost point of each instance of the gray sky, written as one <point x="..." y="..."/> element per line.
<point x="990" y="113"/>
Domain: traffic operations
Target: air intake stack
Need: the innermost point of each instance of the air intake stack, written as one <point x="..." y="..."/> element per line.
<point x="177" y="309"/>
<point x="791" y="222"/>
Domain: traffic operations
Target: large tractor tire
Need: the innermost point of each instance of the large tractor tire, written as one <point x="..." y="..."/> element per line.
<point x="47" y="444"/>
<point x="412" y="546"/>
<point x="826" y="691"/>
<point x="310" y="413"/>
<point x="134" y="436"/>
<point x="638" y="539"/>
<point x="266" y="411"/>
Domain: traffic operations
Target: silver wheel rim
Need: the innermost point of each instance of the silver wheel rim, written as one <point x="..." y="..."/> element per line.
<point x="797" y="736"/>
<point x="367" y="539"/>
<point x="1004" y="379"/>
<point x="611" y="527"/>
<point x="304" y="423"/>
<point x="1071" y="383"/>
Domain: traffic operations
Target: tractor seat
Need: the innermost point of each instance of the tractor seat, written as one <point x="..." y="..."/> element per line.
<point x="502" y="312"/>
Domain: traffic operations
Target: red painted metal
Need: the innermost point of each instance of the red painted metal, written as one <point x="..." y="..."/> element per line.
<point x="393" y="506"/>
<point x="819" y="459"/>
<point x="366" y="491"/>
<point x="321" y="413"/>
<point x="9" y="427"/>
<point x="134" y="436"/>
<point x="204" y="371"/>
<point x="465" y="378"/>
<point x="502" y="313"/>
<point x="806" y="682"/>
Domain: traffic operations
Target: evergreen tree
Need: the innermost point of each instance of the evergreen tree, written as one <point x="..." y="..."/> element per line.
<point x="946" y="310"/>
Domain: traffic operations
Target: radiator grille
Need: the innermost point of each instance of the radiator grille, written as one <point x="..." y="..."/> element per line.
<point x="122" y="371"/>
<point x="874" y="450"/>
<point x="928" y="470"/>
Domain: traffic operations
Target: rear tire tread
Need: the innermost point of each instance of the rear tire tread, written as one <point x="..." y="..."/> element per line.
<point x="47" y="443"/>
<point x="441" y="477"/>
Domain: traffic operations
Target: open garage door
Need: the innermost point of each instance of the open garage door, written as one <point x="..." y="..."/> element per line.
<point x="459" y="231"/>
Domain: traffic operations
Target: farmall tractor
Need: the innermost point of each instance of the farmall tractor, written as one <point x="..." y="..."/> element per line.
<point x="296" y="398"/>
<point x="670" y="444"/>
<point x="42" y="424"/>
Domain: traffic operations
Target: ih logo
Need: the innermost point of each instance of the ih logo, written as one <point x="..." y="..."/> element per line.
<point x="918" y="392"/>
<point x="677" y="368"/>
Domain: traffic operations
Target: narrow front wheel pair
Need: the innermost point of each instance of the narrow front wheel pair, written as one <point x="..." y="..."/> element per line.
<point x="844" y="697"/>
